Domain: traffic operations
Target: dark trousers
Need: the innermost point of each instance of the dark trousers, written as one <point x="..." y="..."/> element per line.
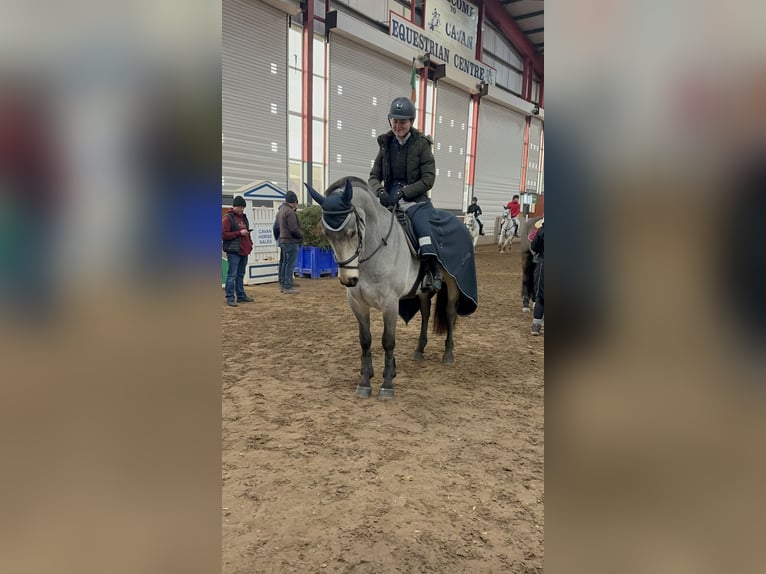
<point x="235" y="278"/>
<point x="287" y="264"/>
<point x="419" y="214"/>
<point x="540" y="298"/>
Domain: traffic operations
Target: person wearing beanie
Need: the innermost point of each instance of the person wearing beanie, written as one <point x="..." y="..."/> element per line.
<point x="290" y="239"/>
<point x="237" y="244"/>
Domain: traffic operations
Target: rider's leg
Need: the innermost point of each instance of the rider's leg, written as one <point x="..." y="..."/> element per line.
<point x="481" y="226"/>
<point x="419" y="216"/>
<point x="432" y="263"/>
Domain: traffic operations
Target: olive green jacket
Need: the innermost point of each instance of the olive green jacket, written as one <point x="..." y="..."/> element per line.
<point x="421" y="166"/>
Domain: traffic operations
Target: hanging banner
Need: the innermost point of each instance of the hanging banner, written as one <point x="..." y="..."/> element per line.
<point x="449" y="37"/>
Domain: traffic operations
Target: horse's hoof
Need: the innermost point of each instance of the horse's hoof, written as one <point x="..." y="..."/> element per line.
<point x="525" y="309"/>
<point x="385" y="394"/>
<point x="363" y="392"/>
<point x="448" y="359"/>
<point x="418" y="356"/>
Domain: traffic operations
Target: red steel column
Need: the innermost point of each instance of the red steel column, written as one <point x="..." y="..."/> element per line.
<point x="308" y="92"/>
<point x="474" y="138"/>
<point x="525" y="155"/>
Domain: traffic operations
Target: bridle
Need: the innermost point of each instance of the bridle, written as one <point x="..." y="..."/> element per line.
<point x="359" y="227"/>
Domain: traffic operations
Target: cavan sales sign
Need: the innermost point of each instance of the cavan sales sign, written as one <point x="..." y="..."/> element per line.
<point x="449" y="35"/>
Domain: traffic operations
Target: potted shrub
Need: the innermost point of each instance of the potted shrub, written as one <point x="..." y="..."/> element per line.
<point x="315" y="257"/>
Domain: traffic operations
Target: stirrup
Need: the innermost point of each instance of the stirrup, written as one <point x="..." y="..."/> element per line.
<point x="432" y="282"/>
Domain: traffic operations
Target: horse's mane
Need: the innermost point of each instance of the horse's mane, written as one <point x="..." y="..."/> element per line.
<point x="356" y="182"/>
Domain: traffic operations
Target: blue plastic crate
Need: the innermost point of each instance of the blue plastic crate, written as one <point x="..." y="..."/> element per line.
<point x="315" y="262"/>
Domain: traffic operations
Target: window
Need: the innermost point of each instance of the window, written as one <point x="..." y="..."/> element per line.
<point x="500" y="54"/>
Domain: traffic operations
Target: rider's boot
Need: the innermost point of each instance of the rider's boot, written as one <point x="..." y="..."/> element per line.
<point x="435" y="282"/>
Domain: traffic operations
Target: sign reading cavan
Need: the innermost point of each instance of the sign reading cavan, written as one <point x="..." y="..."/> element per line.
<point x="449" y="35"/>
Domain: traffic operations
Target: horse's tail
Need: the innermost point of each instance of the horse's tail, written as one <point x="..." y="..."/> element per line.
<point x="441" y="321"/>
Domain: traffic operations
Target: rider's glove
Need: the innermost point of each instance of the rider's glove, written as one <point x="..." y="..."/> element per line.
<point x="383" y="197"/>
<point x="398" y="194"/>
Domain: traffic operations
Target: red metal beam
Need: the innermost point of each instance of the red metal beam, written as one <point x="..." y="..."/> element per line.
<point x="525" y="155"/>
<point x="474" y="138"/>
<point x="308" y="92"/>
<point x="502" y="18"/>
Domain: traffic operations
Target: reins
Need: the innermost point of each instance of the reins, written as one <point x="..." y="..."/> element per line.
<point x="383" y="241"/>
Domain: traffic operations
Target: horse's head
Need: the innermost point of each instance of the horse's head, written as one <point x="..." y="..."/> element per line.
<point x="342" y="225"/>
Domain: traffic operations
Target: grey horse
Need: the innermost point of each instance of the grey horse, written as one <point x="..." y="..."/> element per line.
<point x="377" y="267"/>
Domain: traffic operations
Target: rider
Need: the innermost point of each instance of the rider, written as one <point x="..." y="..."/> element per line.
<point x="476" y="210"/>
<point x="515" y="208"/>
<point x="403" y="172"/>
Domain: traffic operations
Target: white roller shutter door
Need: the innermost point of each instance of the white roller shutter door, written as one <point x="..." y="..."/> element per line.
<point x="363" y="84"/>
<point x="253" y="94"/>
<point x="450" y="141"/>
<point x="499" y="154"/>
<point x="533" y="157"/>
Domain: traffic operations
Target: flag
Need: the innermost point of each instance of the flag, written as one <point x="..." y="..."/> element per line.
<point x="413" y="75"/>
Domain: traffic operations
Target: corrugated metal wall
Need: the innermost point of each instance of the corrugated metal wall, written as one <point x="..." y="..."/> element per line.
<point x="254" y="84"/>
<point x="450" y="142"/>
<point x="499" y="152"/>
<point x="363" y="84"/>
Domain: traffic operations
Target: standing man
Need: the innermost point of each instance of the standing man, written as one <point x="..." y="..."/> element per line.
<point x="275" y="231"/>
<point x="476" y="210"/>
<point x="515" y="208"/>
<point x="237" y="244"/>
<point x="290" y="239"/>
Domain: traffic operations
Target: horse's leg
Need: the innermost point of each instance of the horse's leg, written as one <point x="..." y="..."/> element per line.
<point x="425" y="315"/>
<point x="362" y="313"/>
<point x="453" y="294"/>
<point x="390" y="316"/>
<point x="526" y="274"/>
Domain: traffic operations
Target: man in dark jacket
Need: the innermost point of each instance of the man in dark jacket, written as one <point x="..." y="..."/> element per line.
<point x="237" y="244"/>
<point x="290" y="239"/>
<point x="403" y="173"/>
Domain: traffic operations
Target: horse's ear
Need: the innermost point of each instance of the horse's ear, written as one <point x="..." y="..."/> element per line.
<point x="348" y="192"/>
<point x="314" y="195"/>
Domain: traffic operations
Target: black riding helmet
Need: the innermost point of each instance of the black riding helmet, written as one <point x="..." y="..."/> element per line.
<point x="401" y="109"/>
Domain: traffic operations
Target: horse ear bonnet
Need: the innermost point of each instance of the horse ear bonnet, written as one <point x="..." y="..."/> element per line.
<point x="335" y="202"/>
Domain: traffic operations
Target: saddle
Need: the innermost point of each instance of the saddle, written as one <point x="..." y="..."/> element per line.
<point x="412" y="243"/>
<point x="409" y="232"/>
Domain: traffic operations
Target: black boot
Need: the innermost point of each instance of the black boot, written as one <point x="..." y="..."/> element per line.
<point x="434" y="271"/>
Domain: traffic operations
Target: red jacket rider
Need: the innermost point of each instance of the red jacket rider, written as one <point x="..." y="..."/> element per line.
<point x="514" y="206"/>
